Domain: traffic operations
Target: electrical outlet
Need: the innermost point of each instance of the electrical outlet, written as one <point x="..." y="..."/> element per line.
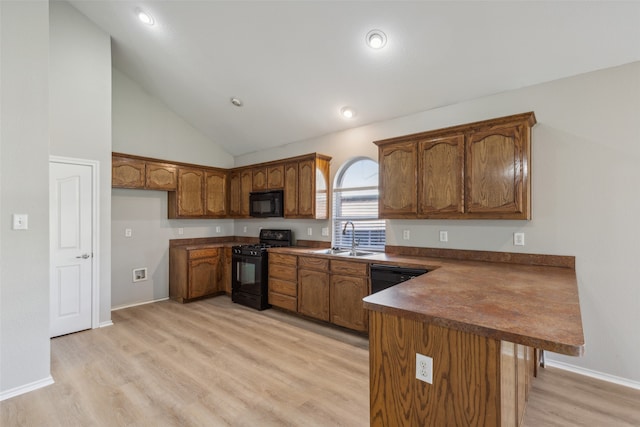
<point x="127" y="232"/>
<point x="309" y="231"/>
<point x="244" y="229"/>
<point x="406" y="234"/>
<point x="424" y="368"/>
<point x="181" y="231"/>
<point x="444" y="236"/>
<point x="218" y="229"/>
<point x="518" y="239"/>
<point x="325" y="231"/>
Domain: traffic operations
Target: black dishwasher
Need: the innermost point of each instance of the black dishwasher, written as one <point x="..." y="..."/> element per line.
<point x="384" y="276"/>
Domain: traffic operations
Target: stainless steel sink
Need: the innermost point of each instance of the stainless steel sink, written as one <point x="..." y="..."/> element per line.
<point x="355" y="254"/>
<point x="332" y="251"/>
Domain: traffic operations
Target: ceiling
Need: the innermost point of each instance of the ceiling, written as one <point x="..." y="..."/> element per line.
<point x="296" y="64"/>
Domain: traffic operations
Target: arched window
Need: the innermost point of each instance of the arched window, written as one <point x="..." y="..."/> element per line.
<point x="355" y="198"/>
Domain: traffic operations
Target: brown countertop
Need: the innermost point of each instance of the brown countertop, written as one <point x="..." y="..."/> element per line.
<point x="533" y="305"/>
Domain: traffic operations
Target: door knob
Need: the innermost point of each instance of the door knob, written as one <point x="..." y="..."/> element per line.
<point x="84" y="256"/>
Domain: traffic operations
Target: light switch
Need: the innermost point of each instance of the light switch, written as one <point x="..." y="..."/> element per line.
<point x="20" y="221"/>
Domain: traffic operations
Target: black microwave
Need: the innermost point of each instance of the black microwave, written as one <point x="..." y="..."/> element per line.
<point x="266" y="204"/>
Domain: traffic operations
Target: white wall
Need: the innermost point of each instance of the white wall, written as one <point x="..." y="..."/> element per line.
<point x="24" y="188"/>
<point x="144" y="126"/>
<point x="585" y="178"/>
<point x="80" y="114"/>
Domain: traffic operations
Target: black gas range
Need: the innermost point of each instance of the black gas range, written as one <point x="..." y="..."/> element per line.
<point x="250" y="268"/>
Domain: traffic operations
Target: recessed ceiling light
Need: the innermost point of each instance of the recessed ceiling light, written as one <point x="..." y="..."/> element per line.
<point x="144" y="17"/>
<point x="376" y="39"/>
<point x="347" y="112"/>
<point x="236" y="101"/>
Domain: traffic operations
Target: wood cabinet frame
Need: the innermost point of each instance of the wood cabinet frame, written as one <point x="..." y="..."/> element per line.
<point x="487" y="173"/>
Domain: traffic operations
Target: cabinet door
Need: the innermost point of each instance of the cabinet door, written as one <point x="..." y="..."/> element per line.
<point x="347" y="308"/>
<point x="127" y="173"/>
<point x="161" y="176"/>
<point x="215" y="193"/>
<point x="313" y="294"/>
<point x="203" y="277"/>
<point x="246" y="177"/>
<point x="306" y="188"/>
<point x="291" y="190"/>
<point x="235" y="193"/>
<point x="495" y="174"/>
<point x="441" y="177"/>
<point x="259" y="179"/>
<point x="275" y="177"/>
<point x="190" y="192"/>
<point x="398" y="189"/>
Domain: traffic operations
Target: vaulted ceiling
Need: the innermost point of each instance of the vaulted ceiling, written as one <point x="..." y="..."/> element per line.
<point x="295" y="64"/>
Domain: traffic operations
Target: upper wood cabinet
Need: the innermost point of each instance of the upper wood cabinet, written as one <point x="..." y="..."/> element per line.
<point x="441" y="176"/>
<point x="127" y="172"/>
<point x="275" y="177"/>
<point x="306" y="184"/>
<point x="478" y="170"/>
<point x="160" y="176"/>
<point x="215" y="191"/>
<point x="205" y="192"/>
<point x="259" y="179"/>
<point x="188" y="200"/>
<point x="398" y="186"/>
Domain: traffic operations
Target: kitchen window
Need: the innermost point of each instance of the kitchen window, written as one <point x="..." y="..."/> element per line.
<point x="355" y="198"/>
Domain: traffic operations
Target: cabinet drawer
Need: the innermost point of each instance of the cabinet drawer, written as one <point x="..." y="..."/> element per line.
<point x="347" y="267"/>
<point x="283" y="301"/>
<point x="313" y="263"/>
<point x="204" y="253"/>
<point x="283" y="272"/>
<point x="283" y="259"/>
<point x="283" y="287"/>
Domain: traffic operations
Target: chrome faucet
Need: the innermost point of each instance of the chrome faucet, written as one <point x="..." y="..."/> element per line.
<point x="353" y="236"/>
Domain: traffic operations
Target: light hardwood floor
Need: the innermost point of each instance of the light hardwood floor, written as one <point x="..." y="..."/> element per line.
<point x="214" y="363"/>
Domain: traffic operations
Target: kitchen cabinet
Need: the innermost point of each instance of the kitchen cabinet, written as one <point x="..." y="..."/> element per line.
<point x="127" y="172"/>
<point x="398" y="186"/>
<point x="306" y="187"/>
<point x="240" y="185"/>
<point x="441" y="176"/>
<point x="474" y="171"/>
<point x="313" y="287"/>
<point x="161" y="176"/>
<point x="275" y="177"/>
<point x="134" y="172"/>
<point x="283" y="281"/>
<point x="188" y="200"/>
<point x="259" y="179"/>
<point x="195" y="272"/>
<point x="215" y="190"/>
<point x="349" y="284"/>
<point x="205" y="192"/>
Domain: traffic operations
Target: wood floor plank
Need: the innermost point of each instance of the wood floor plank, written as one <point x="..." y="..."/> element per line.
<point x="215" y="363"/>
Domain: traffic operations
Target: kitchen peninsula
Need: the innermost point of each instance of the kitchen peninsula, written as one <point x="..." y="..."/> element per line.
<point x="481" y="323"/>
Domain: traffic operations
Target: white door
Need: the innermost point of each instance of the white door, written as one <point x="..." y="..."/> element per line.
<point x="71" y="231"/>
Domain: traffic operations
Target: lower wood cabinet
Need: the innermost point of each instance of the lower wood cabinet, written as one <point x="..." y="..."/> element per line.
<point x="320" y="288"/>
<point x="195" y="272"/>
<point x="349" y="284"/>
<point x="283" y="281"/>
<point x="313" y="287"/>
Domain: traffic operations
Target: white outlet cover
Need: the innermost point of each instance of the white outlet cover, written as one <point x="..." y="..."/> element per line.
<point x="424" y="368"/>
<point x="444" y="236"/>
<point x="518" y="239"/>
<point x="406" y="234"/>
<point x="20" y="221"/>
<point x="127" y="232"/>
<point x="325" y="231"/>
<point x="309" y="231"/>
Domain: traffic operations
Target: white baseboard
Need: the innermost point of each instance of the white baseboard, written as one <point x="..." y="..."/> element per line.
<point x="593" y="374"/>
<point x="138" y="303"/>
<point x="105" y="324"/>
<point x="26" y="388"/>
